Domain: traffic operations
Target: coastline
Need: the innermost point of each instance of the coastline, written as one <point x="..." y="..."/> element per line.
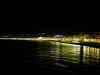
<point x="91" y="44"/>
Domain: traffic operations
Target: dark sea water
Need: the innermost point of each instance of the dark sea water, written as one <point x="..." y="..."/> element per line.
<point x="48" y="58"/>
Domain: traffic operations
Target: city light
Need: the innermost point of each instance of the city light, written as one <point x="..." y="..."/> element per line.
<point x="58" y="37"/>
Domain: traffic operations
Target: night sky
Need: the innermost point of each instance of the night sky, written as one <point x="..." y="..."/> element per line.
<point x="32" y="20"/>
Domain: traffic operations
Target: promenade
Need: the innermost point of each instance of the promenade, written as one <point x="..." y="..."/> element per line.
<point x="88" y="42"/>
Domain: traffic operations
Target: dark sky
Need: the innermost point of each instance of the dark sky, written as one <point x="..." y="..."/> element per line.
<point x="33" y="20"/>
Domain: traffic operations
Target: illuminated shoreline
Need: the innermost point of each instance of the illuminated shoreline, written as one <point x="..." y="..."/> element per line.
<point x="93" y="44"/>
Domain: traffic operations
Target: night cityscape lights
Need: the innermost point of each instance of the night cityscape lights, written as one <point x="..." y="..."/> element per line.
<point x="74" y="38"/>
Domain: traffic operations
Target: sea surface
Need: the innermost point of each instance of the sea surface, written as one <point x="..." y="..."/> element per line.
<point x="48" y="58"/>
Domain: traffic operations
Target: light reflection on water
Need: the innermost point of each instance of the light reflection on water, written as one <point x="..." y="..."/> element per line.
<point x="67" y="52"/>
<point x="48" y="53"/>
<point x="62" y="53"/>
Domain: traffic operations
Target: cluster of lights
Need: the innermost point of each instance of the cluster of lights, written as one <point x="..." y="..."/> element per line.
<point x="41" y="38"/>
<point x="80" y="39"/>
<point x="95" y="39"/>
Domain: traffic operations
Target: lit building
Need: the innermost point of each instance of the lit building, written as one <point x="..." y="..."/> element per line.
<point x="97" y="36"/>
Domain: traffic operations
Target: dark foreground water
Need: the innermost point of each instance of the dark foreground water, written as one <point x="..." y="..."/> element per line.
<point x="48" y="58"/>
